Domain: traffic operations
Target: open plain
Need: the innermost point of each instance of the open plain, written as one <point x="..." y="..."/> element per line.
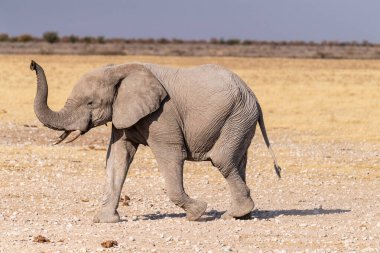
<point x="322" y="116"/>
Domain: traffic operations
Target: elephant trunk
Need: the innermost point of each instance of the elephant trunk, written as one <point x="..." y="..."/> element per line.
<point x="51" y="119"/>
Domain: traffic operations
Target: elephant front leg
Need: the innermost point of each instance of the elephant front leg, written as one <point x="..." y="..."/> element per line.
<point x="119" y="156"/>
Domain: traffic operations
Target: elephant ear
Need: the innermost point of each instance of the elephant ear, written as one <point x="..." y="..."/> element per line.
<point x="139" y="94"/>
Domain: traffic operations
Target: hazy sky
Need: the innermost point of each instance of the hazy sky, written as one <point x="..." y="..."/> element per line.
<point x="317" y="20"/>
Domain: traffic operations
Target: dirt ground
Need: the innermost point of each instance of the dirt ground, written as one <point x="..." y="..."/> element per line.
<point x="322" y="117"/>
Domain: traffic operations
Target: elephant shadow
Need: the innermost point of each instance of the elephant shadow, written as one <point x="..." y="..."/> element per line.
<point x="255" y="214"/>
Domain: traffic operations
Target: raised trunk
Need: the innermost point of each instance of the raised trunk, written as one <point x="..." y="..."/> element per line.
<point x="51" y="119"/>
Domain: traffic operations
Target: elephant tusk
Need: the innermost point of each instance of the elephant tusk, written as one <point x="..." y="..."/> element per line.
<point x="76" y="135"/>
<point x="62" y="137"/>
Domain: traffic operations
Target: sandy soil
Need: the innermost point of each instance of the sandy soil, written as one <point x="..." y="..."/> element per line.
<point x="322" y="118"/>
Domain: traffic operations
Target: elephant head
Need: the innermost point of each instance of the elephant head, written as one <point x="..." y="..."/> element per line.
<point x="120" y="93"/>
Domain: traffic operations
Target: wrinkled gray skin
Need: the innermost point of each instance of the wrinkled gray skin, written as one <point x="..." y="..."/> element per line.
<point x="205" y="113"/>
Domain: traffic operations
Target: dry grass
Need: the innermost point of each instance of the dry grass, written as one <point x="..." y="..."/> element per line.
<point x="332" y="99"/>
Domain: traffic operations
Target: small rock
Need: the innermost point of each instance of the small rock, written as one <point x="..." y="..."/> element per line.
<point x="227" y="249"/>
<point x="125" y="201"/>
<point x="131" y="238"/>
<point x="109" y="244"/>
<point x="40" y="239"/>
<point x="69" y="226"/>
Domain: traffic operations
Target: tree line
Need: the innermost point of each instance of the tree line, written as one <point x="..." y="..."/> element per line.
<point x="53" y="37"/>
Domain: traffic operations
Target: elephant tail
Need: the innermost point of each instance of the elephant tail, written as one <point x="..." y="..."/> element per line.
<point x="277" y="168"/>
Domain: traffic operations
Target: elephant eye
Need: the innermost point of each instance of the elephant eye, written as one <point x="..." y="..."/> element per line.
<point x="90" y="103"/>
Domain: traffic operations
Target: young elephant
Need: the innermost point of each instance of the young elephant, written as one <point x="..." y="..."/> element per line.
<point x="205" y="113"/>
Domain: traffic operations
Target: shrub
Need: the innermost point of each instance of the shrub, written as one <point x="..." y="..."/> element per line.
<point x="214" y="41"/>
<point x="69" y="39"/>
<point x="4" y="37"/>
<point x="51" y="37"/>
<point x="116" y="41"/>
<point x="247" y="42"/>
<point x="233" y="42"/>
<point x="24" y="38"/>
<point x="100" y="40"/>
<point x="177" y="41"/>
<point x="88" y="39"/>
<point x="145" y="41"/>
<point x="163" y="41"/>
<point x="73" y="39"/>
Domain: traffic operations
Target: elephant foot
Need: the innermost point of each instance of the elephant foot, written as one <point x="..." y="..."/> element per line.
<point x="245" y="217"/>
<point x="228" y="216"/>
<point x="194" y="209"/>
<point x="240" y="209"/>
<point x="106" y="217"/>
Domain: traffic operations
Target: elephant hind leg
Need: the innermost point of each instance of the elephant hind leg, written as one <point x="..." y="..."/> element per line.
<point x="241" y="201"/>
<point x="242" y="166"/>
<point x="229" y="155"/>
<point x="171" y="166"/>
<point x="233" y="171"/>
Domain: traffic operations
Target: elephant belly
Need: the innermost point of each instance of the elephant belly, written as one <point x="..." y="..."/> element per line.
<point x="205" y="102"/>
<point x="202" y="130"/>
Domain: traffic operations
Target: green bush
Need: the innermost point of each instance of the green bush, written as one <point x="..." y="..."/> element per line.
<point x="51" y="37"/>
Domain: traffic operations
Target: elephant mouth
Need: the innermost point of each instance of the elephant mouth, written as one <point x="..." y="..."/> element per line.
<point x="74" y="134"/>
<point x="66" y="134"/>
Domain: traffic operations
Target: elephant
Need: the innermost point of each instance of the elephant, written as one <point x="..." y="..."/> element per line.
<point x="202" y="113"/>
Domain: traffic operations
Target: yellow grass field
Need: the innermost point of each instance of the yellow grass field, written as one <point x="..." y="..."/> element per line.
<point x="323" y="117"/>
<point x="334" y="99"/>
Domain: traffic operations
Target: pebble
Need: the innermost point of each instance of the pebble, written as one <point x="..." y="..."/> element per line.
<point x="69" y="226"/>
<point x="227" y="249"/>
